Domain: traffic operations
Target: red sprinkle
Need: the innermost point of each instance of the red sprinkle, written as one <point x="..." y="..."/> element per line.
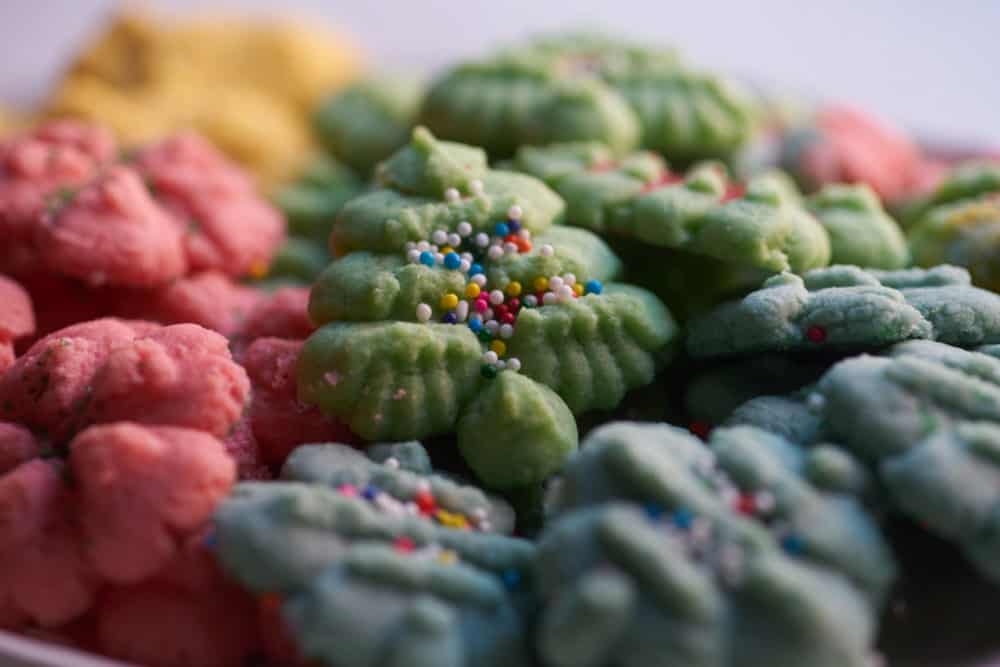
<point x="734" y="191"/>
<point x="500" y="310"/>
<point x="816" y="334"/>
<point x="404" y="544"/>
<point x="514" y="304"/>
<point x="425" y="501"/>
<point x="507" y="318"/>
<point x="523" y="245"/>
<point x="745" y="504"/>
<point x="700" y="429"/>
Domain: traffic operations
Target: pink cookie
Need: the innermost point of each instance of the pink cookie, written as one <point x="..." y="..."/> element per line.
<point x="60" y="302"/>
<point x="242" y="447"/>
<point x="46" y="578"/>
<point x="188" y="614"/>
<point x="283" y="314"/>
<point x="35" y="165"/>
<point x="47" y="388"/>
<point x="141" y="490"/>
<point x="6" y="356"/>
<point x="210" y="299"/>
<point x="280" y="421"/>
<point x="180" y="375"/>
<point x="17" y="318"/>
<point x="112" y="232"/>
<point x="229" y="227"/>
<point x="855" y="147"/>
<point x="17" y="446"/>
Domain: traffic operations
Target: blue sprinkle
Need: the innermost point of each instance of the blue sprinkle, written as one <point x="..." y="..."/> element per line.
<point x="427" y="258"/>
<point x="514" y="226"/>
<point x="476" y="325"/>
<point x="594" y="287"/>
<point x="370" y="492"/>
<point x="452" y="260"/>
<point x="475" y="268"/>
<point x="683" y="519"/>
<point x="793" y="544"/>
<point x="501" y="229"/>
<point x="210" y="540"/>
<point x="450" y="318"/>
<point x="511" y="578"/>
<point x="653" y="510"/>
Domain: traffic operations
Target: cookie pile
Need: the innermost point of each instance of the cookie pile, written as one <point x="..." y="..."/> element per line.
<point x="540" y="366"/>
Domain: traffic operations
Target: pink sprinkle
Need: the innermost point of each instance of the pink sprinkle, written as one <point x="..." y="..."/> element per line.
<point x="332" y="378"/>
<point x="481" y="306"/>
<point x="348" y="490"/>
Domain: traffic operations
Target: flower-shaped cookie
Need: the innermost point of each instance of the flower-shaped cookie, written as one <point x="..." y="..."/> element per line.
<point x="844" y="308"/>
<point x="959" y="223"/>
<point x="420" y="342"/>
<point x="926" y="417"/>
<point x="588" y="88"/>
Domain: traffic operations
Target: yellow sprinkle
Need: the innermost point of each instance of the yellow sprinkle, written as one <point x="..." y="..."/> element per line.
<point x="541" y="284"/>
<point x="499" y="347"/>
<point x="514" y="289"/>
<point x="445" y="250"/>
<point x="472" y="290"/>
<point x="448" y="557"/>
<point x="451" y="519"/>
<point x="578" y="288"/>
<point x="449" y="301"/>
<point x="258" y="270"/>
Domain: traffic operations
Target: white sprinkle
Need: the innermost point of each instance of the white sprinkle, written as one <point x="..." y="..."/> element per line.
<point x="531" y="300"/>
<point x="492" y="326"/>
<point x="392" y="462"/>
<point x="569" y="279"/>
<point x="412" y="509"/>
<point x="482" y="239"/>
<point x="467" y="256"/>
<point x="464" y="228"/>
<point x="433" y="248"/>
<point x="525" y="234"/>
<point x="410" y="245"/>
<point x="496" y="297"/>
<point x="452" y="195"/>
<point x="464" y="265"/>
<point x="555" y="282"/>
<point x="479" y="279"/>
<point x="423" y="245"/>
<point x="476" y="187"/>
<point x="438" y="258"/>
<point x="765" y="501"/>
<point x="488" y="314"/>
<point x="506" y="330"/>
<point x="510" y="248"/>
<point x="485" y="526"/>
<point x="462" y="310"/>
<point x="514" y="364"/>
<point x="546" y="250"/>
<point x="515" y="212"/>
<point x="501" y="364"/>
<point x="489" y="357"/>
<point x="423" y="312"/>
<point x="815" y="402"/>
<point x="413" y="256"/>
<point x="495" y="252"/>
<point x="480" y="513"/>
<point x="548" y="299"/>
<point x="423" y="486"/>
<point x="454" y="240"/>
<point x="565" y="293"/>
<point x="440" y="237"/>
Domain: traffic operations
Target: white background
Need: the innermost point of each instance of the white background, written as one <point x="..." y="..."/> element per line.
<point x="932" y="66"/>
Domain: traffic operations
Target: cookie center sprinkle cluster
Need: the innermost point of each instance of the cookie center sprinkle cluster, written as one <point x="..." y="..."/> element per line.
<point x="489" y="309"/>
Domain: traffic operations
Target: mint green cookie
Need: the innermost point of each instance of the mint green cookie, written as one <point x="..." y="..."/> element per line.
<point x="391" y="380"/>
<point x="703" y="213"/>
<point x="845" y="308"/>
<point x="532" y="442"/>
<point x="336" y="465"/>
<point x="311" y="204"/>
<point x="299" y="259"/>
<point x="617" y="582"/>
<point x="589" y="88"/>
<point x="755" y="480"/>
<point x="364" y="123"/>
<point x="927" y="419"/>
<point x="594" y="349"/>
<point x="411" y="200"/>
<point x="380" y="606"/>
<point x="861" y="232"/>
